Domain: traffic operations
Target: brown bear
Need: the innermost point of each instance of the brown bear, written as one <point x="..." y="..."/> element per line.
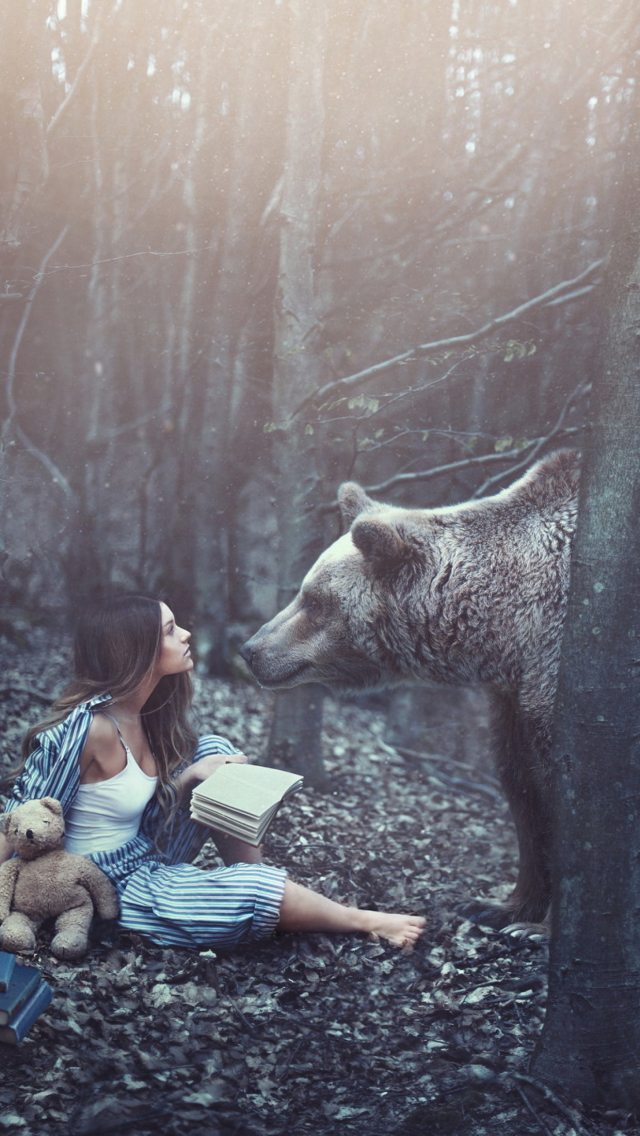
<point x="473" y="593"/>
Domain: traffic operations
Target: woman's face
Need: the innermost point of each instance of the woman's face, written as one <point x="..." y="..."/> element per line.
<point x="175" y="656"/>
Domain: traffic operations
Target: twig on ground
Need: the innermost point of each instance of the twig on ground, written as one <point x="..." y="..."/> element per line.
<point x="245" y="1021"/>
<point x="294" y="1053"/>
<point x="568" y="1113"/>
<point x="457" y="782"/>
<point x="440" y="759"/>
<point x="538" y="1119"/>
<point x="142" y="1119"/>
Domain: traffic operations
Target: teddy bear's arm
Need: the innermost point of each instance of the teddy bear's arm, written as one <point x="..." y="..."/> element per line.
<point x="101" y="890"/>
<point x="8" y="877"/>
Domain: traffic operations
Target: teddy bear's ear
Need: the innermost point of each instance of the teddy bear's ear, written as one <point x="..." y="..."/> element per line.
<point x="53" y="805"/>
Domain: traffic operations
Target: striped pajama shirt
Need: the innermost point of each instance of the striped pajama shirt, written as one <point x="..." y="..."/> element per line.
<point x="162" y="895"/>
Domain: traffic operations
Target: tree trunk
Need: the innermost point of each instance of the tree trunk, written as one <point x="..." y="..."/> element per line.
<point x="22" y="56"/>
<point x="590" y="1045"/>
<point x="215" y="503"/>
<point x="295" y="735"/>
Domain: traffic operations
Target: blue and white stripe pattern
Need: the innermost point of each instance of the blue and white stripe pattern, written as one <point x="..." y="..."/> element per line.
<point x="162" y="895"/>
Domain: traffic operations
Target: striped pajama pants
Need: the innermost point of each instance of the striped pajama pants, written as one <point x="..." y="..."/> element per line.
<point x="182" y="906"/>
<point x="179" y="905"/>
<point x="168" y="900"/>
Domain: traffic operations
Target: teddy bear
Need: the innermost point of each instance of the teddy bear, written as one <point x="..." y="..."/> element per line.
<point x="44" y="881"/>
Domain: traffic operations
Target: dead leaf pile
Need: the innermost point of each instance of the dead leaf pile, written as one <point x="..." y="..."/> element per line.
<point x="306" y="1034"/>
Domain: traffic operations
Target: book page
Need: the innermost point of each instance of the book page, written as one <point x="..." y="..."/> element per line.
<point x="249" y="789"/>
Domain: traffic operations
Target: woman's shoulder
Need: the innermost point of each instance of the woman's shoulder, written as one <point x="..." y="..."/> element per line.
<point x="52" y="768"/>
<point x="80" y="719"/>
<point x="102" y="729"/>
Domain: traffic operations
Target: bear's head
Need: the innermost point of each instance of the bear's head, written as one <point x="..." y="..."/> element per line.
<point x="35" y="828"/>
<point x="348" y="625"/>
<point x="450" y="594"/>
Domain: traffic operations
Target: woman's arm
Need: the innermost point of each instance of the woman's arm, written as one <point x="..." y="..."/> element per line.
<point x="52" y="769"/>
<point x="202" y="769"/>
<point x="103" y="754"/>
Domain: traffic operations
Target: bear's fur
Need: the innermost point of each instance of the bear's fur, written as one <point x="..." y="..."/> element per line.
<point x="470" y="594"/>
<point x="44" y="881"/>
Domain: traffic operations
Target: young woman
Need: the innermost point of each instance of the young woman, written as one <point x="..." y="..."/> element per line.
<point x="119" y="754"/>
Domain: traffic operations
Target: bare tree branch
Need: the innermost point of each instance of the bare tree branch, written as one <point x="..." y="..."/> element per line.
<point x="544" y="298"/>
<point x="467" y="463"/>
<point x="127" y="256"/>
<point x="444" y="219"/>
<point x="76" y="82"/>
<point x="11" y="422"/>
<point x="557" y="430"/>
<point x="523" y="457"/>
<point x="116" y="431"/>
<point x="571" y="296"/>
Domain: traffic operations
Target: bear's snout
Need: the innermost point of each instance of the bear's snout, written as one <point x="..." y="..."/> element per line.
<point x="273" y="656"/>
<point x="29" y="834"/>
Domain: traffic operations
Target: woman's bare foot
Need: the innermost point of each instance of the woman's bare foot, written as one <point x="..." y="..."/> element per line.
<point x="305" y="910"/>
<point x="400" y="930"/>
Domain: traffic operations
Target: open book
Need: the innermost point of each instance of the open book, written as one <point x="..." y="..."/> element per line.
<point x="242" y="800"/>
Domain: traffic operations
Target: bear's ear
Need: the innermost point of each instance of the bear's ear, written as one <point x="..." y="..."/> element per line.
<point x="353" y="501"/>
<point x="52" y="805"/>
<point x="379" y="542"/>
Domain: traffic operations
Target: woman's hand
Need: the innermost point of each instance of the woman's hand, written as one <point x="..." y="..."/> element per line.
<point x="202" y="769"/>
<point x="208" y="765"/>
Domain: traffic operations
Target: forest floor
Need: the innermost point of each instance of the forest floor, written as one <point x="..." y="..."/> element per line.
<point x="306" y="1034"/>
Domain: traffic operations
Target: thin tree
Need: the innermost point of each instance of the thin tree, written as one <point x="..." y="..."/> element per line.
<point x="295" y="734"/>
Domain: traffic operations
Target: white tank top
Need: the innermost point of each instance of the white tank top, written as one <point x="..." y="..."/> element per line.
<point x="107" y="814"/>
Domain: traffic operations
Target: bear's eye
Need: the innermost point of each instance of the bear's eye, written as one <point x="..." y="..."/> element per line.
<point x="312" y="605"/>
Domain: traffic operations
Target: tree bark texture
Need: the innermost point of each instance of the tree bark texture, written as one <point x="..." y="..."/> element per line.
<point x="298" y="368"/>
<point x="590" y="1045"/>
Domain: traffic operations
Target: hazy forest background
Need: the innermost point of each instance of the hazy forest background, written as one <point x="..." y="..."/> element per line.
<point x="250" y="248"/>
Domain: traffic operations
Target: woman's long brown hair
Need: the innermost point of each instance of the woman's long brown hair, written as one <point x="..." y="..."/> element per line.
<point x="117" y="644"/>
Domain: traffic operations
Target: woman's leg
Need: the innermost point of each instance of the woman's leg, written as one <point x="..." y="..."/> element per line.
<point x="305" y="910"/>
<point x="235" y="851"/>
